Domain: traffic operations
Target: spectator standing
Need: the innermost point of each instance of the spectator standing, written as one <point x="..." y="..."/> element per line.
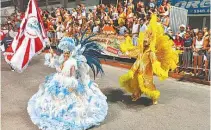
<point x="115" y="17"/>
<point x="140" y="9"/>
<point x="206" y="47"/>
<point x="79" y="18"/>
<point x="12" y="32"/>
<point x="122" y="30"/>
<point x="74" y="13"/>
<point x="122" y="17"/>
<point x="90" y="15"/>
<point x="135" y="30"/>
<point x="165" y="21"/>
<point x="96" y="28"/>
<point x="142" y="13"/>
<point x="152" y="4"/>
<point x="182" y="29"/>
<point x="130" y="5"/>
<point x="60" y="29"/>
<point x="198" y="53"/>
<point x="205" y="30"/>
<point x="179" y="44"/>
<point x="187" y="54"/>
<point x="165" y="4"/>
<point x="192" y="33"/>
<point x="130" y="16"/>
<point x="143" y="26"/>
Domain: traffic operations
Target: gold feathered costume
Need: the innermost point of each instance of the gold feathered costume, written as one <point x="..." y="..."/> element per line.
<point x="154" y="55"/>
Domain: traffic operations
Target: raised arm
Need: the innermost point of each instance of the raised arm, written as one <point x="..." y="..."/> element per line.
<point x="128" y="48"/>
<point x="133" y="53"/>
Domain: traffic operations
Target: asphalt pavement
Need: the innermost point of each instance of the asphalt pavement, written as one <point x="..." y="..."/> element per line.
<point x="182" y="105"/>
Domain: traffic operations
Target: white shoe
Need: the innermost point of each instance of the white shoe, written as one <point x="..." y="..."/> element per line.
<point x="12" y="70"/>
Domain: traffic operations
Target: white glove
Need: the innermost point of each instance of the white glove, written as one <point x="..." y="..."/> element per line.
<point x="58" y="69"/>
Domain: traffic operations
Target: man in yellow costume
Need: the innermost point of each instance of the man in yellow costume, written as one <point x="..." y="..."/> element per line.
<point x="154" y="55"/>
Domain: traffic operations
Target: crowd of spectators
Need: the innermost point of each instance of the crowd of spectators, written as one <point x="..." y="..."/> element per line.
<point x="125" y="18"/>
<point x="195" y="51"/>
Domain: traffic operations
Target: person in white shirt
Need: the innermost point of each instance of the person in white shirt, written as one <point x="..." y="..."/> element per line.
<point x="135" y="31"/>
<point x="96" y="28"/>
<point x="143" y="26"/>
<point x="79" y="18"/>
<point x="74" y="13"/>
<point x="90" y="15"/>
<point x="60" y="29"/>
<point x="115" y="16"/>
<point x="83" y="11"/>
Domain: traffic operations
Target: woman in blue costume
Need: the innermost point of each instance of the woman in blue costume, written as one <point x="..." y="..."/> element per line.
<point x="68" y="99"/>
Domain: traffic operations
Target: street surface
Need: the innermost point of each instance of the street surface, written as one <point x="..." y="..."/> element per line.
<point x="182" y="106"/>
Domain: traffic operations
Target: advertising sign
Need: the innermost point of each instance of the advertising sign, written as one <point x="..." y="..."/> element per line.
<point x="110" y="44"/>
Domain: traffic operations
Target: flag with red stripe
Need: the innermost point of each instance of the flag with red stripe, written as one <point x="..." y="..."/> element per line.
<point x="30" y="40"/>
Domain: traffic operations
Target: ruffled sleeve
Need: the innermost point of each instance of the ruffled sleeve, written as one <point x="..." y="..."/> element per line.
<point x="133" y="53"/>
<point x="128" y="48"/>
<point x="156" y="66"/>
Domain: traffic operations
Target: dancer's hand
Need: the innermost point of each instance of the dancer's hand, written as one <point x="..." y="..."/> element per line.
<point x="71" y="89"/>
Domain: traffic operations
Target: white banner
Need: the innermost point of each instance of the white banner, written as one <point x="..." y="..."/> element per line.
<point x="178" y="16"/>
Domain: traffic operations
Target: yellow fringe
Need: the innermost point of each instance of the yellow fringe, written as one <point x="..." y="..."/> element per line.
<point x="132" y="82"/>
<point x="128" y="82"/>
<point x="153" y="94"/>
<point x="162" y="74"/>
<point x="162" y="46"/>
<point x="127" y="45"/>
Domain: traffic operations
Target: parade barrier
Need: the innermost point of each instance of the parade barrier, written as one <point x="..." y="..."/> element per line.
<point x="114" y="57"/>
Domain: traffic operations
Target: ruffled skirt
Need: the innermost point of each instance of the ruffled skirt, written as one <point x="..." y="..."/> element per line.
<point x="54" y="107"/>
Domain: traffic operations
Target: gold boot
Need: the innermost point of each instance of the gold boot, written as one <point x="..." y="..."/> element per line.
<point x="154" y="102"/>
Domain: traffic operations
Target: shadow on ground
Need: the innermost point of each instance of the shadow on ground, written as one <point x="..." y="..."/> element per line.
<point x="116" y="95"/>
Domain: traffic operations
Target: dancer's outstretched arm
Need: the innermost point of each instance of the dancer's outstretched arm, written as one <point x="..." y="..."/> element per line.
<point x="133" y="53"/>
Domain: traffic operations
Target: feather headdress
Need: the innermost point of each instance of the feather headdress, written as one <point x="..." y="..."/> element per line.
<point x="90" y="50"/>
<point x="66" y="44"/>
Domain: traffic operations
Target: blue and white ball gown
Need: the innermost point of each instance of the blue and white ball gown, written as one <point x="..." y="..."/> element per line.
<point x="65" y="102"/>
